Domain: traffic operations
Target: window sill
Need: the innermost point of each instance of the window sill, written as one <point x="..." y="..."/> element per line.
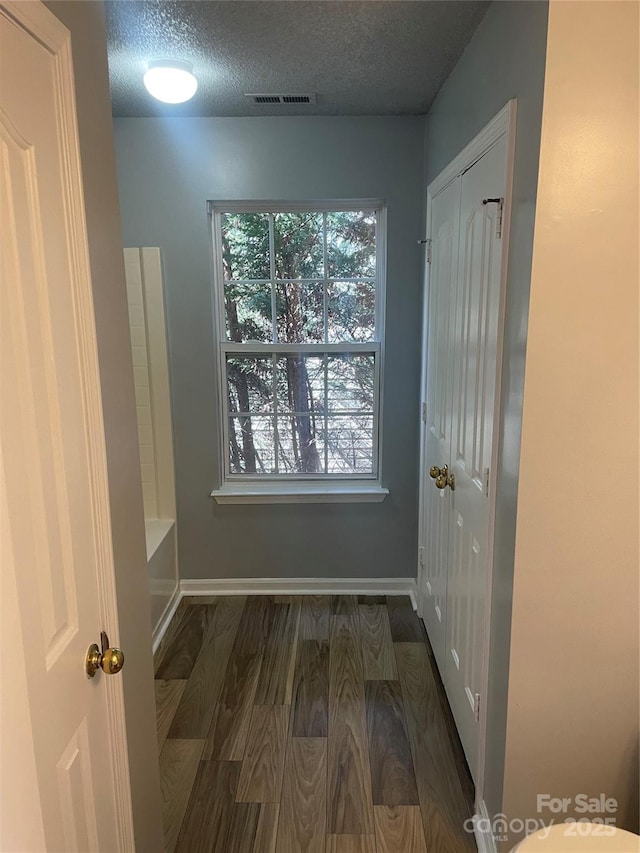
<point x="296" y="493"/>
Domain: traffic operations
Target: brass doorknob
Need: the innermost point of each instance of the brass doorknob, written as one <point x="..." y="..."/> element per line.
<point x="441" y="476"/>
<point x="109" y="660"/>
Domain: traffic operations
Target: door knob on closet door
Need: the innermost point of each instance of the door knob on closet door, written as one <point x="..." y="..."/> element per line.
<point x="441" y="476"/>
<point x="442" y="481"/>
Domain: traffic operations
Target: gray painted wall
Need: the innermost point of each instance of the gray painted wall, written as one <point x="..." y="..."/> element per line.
<point x="505" y="59"/>
<point x="167" y="169"/>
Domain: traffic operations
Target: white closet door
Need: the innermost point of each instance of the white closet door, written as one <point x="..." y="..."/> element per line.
<point x="474" y="350"/>
<point x="445" y="217"/>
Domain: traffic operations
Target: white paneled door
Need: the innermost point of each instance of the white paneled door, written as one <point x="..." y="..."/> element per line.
<point x="445" y="224"/>
<point x="462" y="352"/>
<point x="58" y="587"/>
<point x="475" y="342"/>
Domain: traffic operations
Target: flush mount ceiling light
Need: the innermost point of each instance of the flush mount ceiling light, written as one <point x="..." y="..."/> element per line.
<point x="170" y="80"/>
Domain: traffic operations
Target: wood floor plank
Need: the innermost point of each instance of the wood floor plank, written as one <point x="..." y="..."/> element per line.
<point x="314" y="617"/>
<point x="267" y="831"/>
<point x="263" y="764"/>
<point x="276" y="661"/>
<point x="372" y="599"/>
<point x="404" y="621"/>
<point x="349" y="801"/>
<point x="205" y="827"/>
<point x="168" y="695"/>
<point x="387" y="732"/>
<point x="310" y="702"/>
<point x="227" y="736"/>
<point x="399" y="830"/>
<point x="352" y="844"/>
<point x="243" y="828"/>
<point x="344" y="605"/>
<point x="179" y="761"/>
<point x="198" y="703"/>
<point x="444" y="800"/>
<point x="378" y="658"/>
<point x="303" y="811"/>
<point x="180" y="656"/>
<point x="393" y="781"/>
<point x="203" y="599"/>
<point x="293" y="659"/>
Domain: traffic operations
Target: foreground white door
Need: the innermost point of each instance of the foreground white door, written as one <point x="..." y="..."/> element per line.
<point x="475" y="343"/>
<point x="57" y="568"/>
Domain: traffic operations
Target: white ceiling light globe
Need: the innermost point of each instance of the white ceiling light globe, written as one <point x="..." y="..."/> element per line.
<point x="170" y="80"/>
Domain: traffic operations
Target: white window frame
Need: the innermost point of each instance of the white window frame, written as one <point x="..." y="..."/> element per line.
<point x="259" y="488"/>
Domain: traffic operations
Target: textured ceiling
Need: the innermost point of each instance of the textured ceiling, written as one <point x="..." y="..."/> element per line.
<point x="361" y="58"/>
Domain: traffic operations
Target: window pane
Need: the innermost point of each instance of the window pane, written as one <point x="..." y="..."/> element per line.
<point x="303" y="277"/>
<point x="350" y="444"/>
<point x="351" y="311"/>
<point x="298" y="245"/>
<point x="245" y="245"/>
<point x="300" y="310"/>
<point x="300" y="380"/>
<point x="351" y="380"/>
<point x="248" y="311"/>
<point x="351" y="244"/>
<point x="250" y="383"/>
<point x="300" y="445"/>
<point x="251" y="445"/>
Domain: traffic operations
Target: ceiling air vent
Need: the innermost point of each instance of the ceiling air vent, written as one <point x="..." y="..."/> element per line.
<point x="282" y="99"/>
<point x="297" y="99"/>
<point x="265" y="99"/>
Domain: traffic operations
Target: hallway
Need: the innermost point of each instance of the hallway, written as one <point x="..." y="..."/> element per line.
<point x="306" y="723"/>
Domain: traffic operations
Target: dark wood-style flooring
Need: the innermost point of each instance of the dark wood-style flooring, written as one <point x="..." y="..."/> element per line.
<point x="306" y="724"/>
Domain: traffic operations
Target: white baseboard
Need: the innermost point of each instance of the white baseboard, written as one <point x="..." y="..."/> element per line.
<point x="165" y="620"/>
<point x="482" y="829"/>
<point x="281" y="586"/>
<point x="300" y="586"/>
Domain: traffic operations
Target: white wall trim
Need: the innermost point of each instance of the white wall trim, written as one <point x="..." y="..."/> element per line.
<point x="143" y="273"/>
<point x="479" y="145"/>
<point x="482" y="829"/>
<point x="288" y="492"/>
<point x="270" y="205"/>
<point x="300" y="586"/>
<point x="158" y="361"/>
<point x="165" y="620"/>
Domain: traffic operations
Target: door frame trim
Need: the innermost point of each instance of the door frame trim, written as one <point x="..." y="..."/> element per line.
<point x="502" y="126"/>
<point x="34" y="18"/>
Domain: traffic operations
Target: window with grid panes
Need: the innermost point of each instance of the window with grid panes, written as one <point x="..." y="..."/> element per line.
<point x="298" y="304"/>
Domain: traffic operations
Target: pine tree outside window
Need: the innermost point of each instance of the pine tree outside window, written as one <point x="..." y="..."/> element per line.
<point x="298" y="305"/>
